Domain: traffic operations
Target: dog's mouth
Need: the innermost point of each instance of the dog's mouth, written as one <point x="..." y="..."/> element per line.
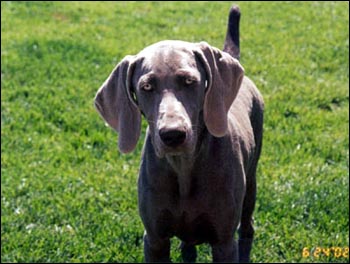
<point x="177" y="151"/>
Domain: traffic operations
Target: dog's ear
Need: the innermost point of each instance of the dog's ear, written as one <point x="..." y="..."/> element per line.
<point x="224" y="78"/>
<point x="116" y="106"/>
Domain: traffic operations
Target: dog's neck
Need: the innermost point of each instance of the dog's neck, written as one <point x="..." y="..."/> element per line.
<point x="182" y="165"/>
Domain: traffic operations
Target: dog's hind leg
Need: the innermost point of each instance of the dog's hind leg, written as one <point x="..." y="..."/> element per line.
<point x="246" y="229"/>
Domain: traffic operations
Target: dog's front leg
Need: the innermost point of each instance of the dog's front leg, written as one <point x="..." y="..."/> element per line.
<point x="156" y="250"/>
<point x="225" y="252"/>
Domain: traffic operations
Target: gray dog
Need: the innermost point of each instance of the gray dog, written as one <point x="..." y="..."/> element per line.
<point x="197" y="176"/>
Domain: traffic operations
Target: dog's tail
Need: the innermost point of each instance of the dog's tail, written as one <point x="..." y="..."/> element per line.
<point x="231" y="45"/>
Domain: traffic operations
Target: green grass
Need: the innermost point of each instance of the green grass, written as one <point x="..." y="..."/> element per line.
<point x="68" y="195"/>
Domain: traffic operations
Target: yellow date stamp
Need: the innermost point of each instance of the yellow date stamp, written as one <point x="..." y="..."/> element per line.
<point x="318" y="252"/>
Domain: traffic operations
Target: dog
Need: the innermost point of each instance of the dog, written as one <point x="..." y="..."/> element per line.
<point x="197" y="177"/>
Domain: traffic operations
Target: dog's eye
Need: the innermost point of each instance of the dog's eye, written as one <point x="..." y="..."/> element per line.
<point x="147" y="87"/>
<point x="189" y="81"/>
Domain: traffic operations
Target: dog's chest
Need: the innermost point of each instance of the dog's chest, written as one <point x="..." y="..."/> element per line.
<point x="197" y="230"/>
<point x="190" y="228"/>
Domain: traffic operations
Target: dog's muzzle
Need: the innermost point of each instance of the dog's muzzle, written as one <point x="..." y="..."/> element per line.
<point x="173" y="125"/>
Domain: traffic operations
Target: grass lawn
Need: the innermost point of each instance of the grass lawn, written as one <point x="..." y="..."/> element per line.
<point x="68" y="195"/>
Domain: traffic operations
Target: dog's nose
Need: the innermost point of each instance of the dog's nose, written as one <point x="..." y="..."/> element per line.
<point x="172" y="137"/>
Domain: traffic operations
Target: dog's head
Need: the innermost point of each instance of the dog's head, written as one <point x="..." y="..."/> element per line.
<point x="172" y="83"/>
